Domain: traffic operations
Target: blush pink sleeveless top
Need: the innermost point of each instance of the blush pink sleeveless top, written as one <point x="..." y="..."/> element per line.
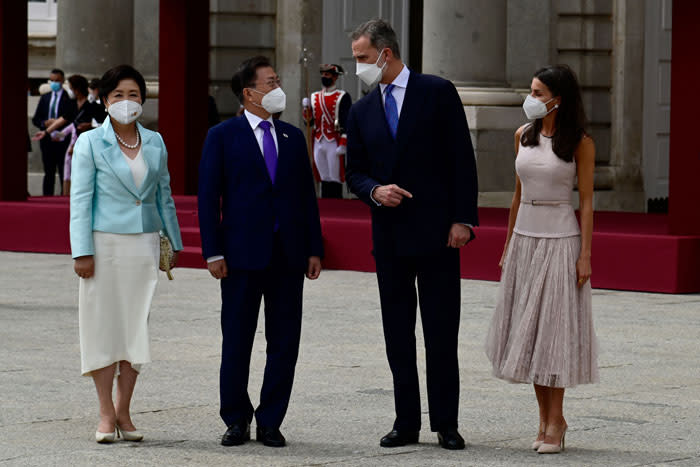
<point x="547" y="182"/>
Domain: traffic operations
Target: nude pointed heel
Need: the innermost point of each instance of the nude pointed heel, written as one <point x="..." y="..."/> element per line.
<point x="546" y="448"/>
<point x="537" y="443"/>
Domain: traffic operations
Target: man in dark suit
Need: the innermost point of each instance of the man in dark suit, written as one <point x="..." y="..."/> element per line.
<point x="410" y="158"/>
<point x="261" y="233"/>
<point x="51" y="106"/>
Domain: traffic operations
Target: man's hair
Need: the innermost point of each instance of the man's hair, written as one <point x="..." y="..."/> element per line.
<point x="110" y="80"/>
<point x="94" y="83"/>
<point x="246" y="74"/>
<point x="380" y="33"/>
<point x="58" y="71"/>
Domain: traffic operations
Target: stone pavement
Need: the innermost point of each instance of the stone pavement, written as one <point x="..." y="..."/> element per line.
<point x="645" y="411"/>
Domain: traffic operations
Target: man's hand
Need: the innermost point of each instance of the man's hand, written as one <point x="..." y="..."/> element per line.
<point x="38" y="135"/>
<point x="84" y="266"/>
<point x="218" y="269"/>
<point x="314" y="269"/>
<point x="390" y="195"/>
<point x="49" y="122"/>
<point x="459" y="236"/>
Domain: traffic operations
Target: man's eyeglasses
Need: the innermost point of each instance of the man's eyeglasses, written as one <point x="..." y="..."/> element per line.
<point x="271" y="83"/>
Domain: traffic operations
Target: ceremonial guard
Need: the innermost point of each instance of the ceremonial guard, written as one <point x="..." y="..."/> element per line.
<point x="327" y="112"/>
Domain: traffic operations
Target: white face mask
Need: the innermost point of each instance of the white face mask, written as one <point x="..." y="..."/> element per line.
<point x="274" y="101"/>
<point x="71" y="94"/>
<point x="125" y="111"/>
<point x="91" y="97"/>
<point x="535" y="108"/>
<point x="370" y="74"/>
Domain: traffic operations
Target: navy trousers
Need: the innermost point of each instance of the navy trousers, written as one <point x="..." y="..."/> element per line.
<point x="241" y="294"/>
<point x="437" y="276"/>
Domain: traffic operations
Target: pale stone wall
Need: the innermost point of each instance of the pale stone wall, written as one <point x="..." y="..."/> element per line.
<point x="238" y="29"/>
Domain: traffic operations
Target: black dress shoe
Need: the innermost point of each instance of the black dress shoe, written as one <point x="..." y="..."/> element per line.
<point x="270" y="437"/>
<point x="450" y="439"/>
<point x="396" y="438"/>
<point x="237" y="434"/>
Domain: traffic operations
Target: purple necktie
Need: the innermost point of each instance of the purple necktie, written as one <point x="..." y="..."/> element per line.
<point x="269" y="149"/>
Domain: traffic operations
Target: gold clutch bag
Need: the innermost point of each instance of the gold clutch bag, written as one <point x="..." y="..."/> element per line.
<point x="166" y="255"/>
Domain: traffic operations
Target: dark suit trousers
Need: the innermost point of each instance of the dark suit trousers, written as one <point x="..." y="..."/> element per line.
<point x="439" y="297"/>
<point x="241" y="294"/>
<point x="53" y="154"/>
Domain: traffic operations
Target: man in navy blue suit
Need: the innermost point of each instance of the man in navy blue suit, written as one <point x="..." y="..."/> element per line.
<point x="52" y="105"/>
<point x="410" y="158"/>
<point x="261" y="234"/>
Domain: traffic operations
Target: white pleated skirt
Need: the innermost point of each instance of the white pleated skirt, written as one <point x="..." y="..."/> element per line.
<point x="115" y="303"/>
<point x="542" y="329"/>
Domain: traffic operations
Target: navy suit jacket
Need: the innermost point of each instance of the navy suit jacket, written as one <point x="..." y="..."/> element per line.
<point x="238" y="203"/>
<point x="432" y="157"/>
<point x="67" y="107"/>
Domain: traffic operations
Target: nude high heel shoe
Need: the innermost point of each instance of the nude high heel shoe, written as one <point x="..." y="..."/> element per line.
<point x="537" y="443"/>
<point x="546" y="448"/>
<point x="129" y="435"/>
<point x="105" y="438"/>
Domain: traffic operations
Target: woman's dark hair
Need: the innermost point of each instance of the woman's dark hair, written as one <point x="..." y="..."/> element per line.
<point x="570" y="122"/>
<point x="110" y="80"/>
<point x="246" y="75"/>
<point x="79" y="84"/>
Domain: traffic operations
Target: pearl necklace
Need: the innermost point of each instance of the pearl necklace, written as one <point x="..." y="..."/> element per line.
<point x="130" y="146"/>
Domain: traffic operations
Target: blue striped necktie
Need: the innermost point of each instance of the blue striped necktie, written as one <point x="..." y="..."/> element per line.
<point x="390" y="110"/>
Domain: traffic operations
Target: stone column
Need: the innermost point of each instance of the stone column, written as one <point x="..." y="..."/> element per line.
<point x="94" y="35"/>
<point x="627" y="108"/>
<point x="299" y="26"/>
<point x="466" y="42"/>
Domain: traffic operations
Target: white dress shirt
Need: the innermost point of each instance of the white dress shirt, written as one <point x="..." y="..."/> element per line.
<point x="254" y="122"/>
<point x="399" y="91"/>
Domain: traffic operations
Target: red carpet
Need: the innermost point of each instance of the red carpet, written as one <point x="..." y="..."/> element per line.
<point x="630" y="251"/>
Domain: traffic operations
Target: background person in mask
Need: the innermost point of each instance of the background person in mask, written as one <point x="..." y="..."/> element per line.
<point x="327" y="111"/>
<point x="261" y="233"/>
<point x="411" y="160"/>
<point x="73" y="123"/>
<point x="94" y="97"/>
<point x="50" y="107"/>
<point x="120" y="200"/>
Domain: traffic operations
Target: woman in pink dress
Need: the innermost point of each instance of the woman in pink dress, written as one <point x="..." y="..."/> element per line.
<point x="542" y="330"/>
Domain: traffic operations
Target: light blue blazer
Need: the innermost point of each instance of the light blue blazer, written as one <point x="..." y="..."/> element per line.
<point x="104" y="197"/>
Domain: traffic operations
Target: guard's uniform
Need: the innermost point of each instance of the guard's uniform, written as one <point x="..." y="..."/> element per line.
<point x="330" y="111"/>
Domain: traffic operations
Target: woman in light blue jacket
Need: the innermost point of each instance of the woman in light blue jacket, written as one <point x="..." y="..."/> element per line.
<point x="120" y="200"/>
